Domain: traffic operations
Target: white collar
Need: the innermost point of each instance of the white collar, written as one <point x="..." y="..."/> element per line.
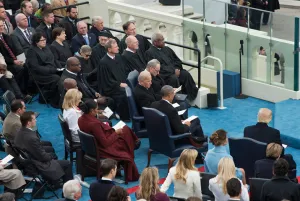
<point x="23" y="30"/>
<point x="129" y="50"/>
<point x="166" y="101"/>
<point x="111" y="56"/>
<point x="106" y="179"/>
<point x="71" y="72"/>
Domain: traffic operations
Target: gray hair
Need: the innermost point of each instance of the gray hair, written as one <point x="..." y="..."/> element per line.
<point x="156" y="36"/>
<point x="18" y="16"/>
<point x="143" y="76"/>
<point x="85" y="49"/>
<point x="96" y="19"/>
<point x="70" y="188"/>
<point x="109" y="43"/>
<point x="35" y="4"/>
<point x="166" y="90"/>
<point x="81" y="22"/>
<point x="152" y="63"/>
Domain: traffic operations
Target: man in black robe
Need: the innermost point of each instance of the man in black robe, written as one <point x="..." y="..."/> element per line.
<point x="112" y="78"/>
<point x="130" y="30"/>
<point x="171" y="67"/>
<point x="133" y="57"/>
<point x="99" y="51"/>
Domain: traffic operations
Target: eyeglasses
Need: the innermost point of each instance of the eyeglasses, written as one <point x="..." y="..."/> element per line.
<point x="43" y="40"/>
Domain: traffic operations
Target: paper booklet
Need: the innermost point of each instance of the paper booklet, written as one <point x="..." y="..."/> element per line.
<point x="181" y="112"/>
<point x="107" y="112"/>
<point x="119" y="125"/>
<point x="5" y="160"/>
<point x="178" y="89"/>
<point x="191" y="118"/>
<point x="175" y="105"/>
<point x="21" y="57"/>
<point x="284" y="145"/>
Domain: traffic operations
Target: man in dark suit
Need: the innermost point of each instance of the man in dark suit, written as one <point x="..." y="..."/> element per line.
<point x="143" y="93"/>
<point x="82" y="38"/>
<point x="74" y="71"/>
<point x="133" y="57"/>
<point x="234" y="189"/>
<point x="69" y="23"/>
<point x="21" y="36"/>
<point x="47" y="26"/>
<point x="99" y="190"/>
<point x="71" y="191"/>
<point x="153" y="67"/>
<point x="27" y="9"/>
<point x="28" y="141"/>
<point x="280" y="186"/>
<point x="165" y="106"/>
<point x="98" y="27"/>
<point x="261" y="131"/>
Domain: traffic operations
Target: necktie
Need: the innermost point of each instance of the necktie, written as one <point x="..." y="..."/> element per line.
<point x="28" y="35"/>
<point x="11" y="54"/>
<point x="29" y="23"/>
<point x="86" y="40"/>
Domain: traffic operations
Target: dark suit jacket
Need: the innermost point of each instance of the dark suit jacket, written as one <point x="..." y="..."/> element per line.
<point x="48" y="32"/>
<point x="264" y="168"/>
<point x="263" y="133"/>
<point x="28" y="141"/>
<point x="279" y="188"/>
<point x="64" y="199"/>
<point x="144" y="97"/>
<point x="99" y="190"/>
<point x="83" y="86"/>
<point x="172" y="114"/>
<point x="19" y="40"/>
<point x="78" y="41"/>
<point x="71" y="29"/>
<point x="8" y="59"/>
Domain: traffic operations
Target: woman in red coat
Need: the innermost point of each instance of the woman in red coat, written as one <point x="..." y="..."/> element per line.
<point x="115" y="144"/>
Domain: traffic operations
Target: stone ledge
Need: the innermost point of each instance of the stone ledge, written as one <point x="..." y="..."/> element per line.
<point x="289" y="3"/>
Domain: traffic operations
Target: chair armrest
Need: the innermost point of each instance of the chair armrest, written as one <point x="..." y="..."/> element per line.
<point x="180" y="136"/>
<point x="138" y="118"/>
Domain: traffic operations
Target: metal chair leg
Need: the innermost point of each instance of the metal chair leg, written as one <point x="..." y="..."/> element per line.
<point x="149" y="156"/>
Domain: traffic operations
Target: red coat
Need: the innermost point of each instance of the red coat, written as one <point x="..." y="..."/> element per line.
<point x="110" y="144"/>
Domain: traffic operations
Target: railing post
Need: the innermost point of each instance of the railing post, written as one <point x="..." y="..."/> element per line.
<point x="296" y="55"/>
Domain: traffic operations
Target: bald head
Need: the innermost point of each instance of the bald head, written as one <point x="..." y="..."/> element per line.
<point x="70" y="83"/>
<point x="73" y="65"/>
<point x="82" y="28"/>
<point x="21" y="21"/>
<point x="264" y="115"/>
<point x="145" y="79"/>
<point x="132" y="43"/>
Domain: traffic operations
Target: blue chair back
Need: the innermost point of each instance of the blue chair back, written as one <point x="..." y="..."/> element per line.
<point x="245" y="151"/>
<point x="8" y="98"/>
<point x="132" y="79"/>
<point x="88" y="143"/>
<point x="131" y="103"/>
<point x="159" y="130"/>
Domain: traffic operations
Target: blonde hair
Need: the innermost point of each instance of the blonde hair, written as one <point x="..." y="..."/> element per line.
<point x="226" y="171"/>
<point x="72" y="98"/>
<point x="273" y="150"/>
<point x="186" y="162"/>
<point x="148" y="183"/>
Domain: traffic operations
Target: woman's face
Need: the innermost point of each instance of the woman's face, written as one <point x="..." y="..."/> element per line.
<point x="62" y="36"/>
<point x="42" y="43"/>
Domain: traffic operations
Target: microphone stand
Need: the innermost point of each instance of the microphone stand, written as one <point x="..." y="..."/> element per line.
<point x="241" y="52"/>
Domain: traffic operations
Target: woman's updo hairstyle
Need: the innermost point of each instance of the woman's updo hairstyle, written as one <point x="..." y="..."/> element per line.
<point x="87" y="106"/>
<point x="218" y="137"/>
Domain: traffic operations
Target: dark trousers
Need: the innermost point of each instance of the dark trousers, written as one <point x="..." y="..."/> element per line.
<point x="11" y="85"/>
<point x="121" y="103"/>
<point x="67" y="167"/>
<point x="196" y="128"/>
<point x="21" y="76"/>
<point x="255" y="19"/>
<point x="266" y="17"/>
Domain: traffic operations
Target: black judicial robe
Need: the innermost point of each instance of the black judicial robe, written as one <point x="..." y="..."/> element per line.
<point x="111" y="73"/>
<point x="168" y="63"/>
<point x="134" y="61"/>
<point x="144" y="44"/>
<point x="98" y="52"/>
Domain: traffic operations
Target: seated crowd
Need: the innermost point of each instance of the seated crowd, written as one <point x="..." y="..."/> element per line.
<point x="83" y="72"/>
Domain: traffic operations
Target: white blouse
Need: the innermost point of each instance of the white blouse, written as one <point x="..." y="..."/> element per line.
<point x="216" y="189"/>
<point x="71" y="116"/>
<point x="192" y="187"/>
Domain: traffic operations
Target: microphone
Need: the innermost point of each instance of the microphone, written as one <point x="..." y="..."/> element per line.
<point x="242" y="46"/>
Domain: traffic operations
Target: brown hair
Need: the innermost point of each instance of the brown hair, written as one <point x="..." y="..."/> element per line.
<point x="127" y="24"/>
<point x="218" y="137"/>
<point x="273" y="150"/>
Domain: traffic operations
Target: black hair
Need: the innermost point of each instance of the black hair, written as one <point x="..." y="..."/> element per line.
<point x="57" y="32"/>
<point x="107" y="165"/>
<point x="26" y="117"/>
<point x="280" y="167"/>
<point x="234" y="187"/>
<point x="7" y="196"/>
<point x="117" y="193"/>
<point x="68" y="10"/>
<point x="37" y="37"/>
<point x="88" y="105"/>
<point x="15" y="105"/>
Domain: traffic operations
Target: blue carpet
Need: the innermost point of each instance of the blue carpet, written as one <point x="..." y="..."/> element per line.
<point x="239" y="113"/>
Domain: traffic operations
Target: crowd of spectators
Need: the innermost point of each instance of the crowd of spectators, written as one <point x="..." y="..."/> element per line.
<point x="83" y="71"/>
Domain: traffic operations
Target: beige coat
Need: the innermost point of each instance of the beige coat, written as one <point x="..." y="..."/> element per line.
<point x="11" y="178"/>
<point x="9" y="26"/>
<point x="60" y="3"/>
<point x="11" y="126"/>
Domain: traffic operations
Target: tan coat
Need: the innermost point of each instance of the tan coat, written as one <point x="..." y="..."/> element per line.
<point x="11" y="126"/>
<point x="9" y="26"/>
<point x="11" y="178"/>
<point x="60" y="3"/>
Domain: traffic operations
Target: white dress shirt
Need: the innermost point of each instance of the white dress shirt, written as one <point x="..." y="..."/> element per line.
<point x="217" y="190"/>
<point x="192" y="187"/>
<point x="71" y="116"/>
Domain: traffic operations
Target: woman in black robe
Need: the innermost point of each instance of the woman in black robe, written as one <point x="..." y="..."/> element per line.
<point x="59" y="47"/>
